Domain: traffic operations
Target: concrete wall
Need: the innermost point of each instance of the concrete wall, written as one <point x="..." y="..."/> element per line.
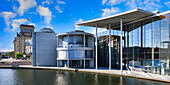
<point x="44" y="49"/>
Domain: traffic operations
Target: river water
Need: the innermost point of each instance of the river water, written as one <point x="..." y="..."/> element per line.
<point x="52" y="77"/>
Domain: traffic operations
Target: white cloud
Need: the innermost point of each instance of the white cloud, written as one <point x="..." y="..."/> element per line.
<point x="19" y="20"/>
<point x="152" y="4"/>
<point x="58" y="9"/>
<point x="87" y="29"/>
<point x="25" y="5"/>
<point x="60" y="2"/>
<point x="8" y="16"/>
<point x="15" y="8"/>
<point x="12" y="24"/>
<point x="7" y="50"/>
<point x="16" y="22"/>
<point x="107" y="11"/>
<point x="46" y="2"/>
<point x="104" y="1"/>
<point x="45" y="12"/>
<point x="80" y="20"/>
<point x="113" y="2"/>
<point x="132" y="4"/>
<point x="167" y="3"/>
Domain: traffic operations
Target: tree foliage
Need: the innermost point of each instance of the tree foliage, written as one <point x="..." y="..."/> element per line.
<point x="31" y="56"/>
<point x="11" y="54"/>
<point x="18" y="55"/>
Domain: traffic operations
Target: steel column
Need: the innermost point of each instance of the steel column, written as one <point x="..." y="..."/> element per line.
<point x="84" y="50"/>
<point x="109" y="46"/>
<point x="121" y="53"/>
<point x="96" y="47"/>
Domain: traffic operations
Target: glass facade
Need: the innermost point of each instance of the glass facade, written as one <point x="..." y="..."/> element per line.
<point x="146" y="46"/>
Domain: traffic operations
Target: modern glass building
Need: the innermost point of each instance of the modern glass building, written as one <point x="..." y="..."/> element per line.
<point x="144" y="40"/>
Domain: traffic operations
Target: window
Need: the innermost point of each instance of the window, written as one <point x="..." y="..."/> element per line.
<point x="30" y="30"/>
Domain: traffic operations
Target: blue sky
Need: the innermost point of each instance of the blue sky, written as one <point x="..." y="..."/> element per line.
<point x="61" y="15"/>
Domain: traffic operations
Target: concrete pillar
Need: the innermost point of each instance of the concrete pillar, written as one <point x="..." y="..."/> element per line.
<point x="84" y="50"/>
<point x="133" y="52"/>
<point x="96" y="47"/>
<point x="109" y="46"/>
<point x="121" y="51"/>
<point x="68" y="50"/>
<point x="127" y="48"/>
<point x="57" y="51"/>
<point x="57" y="42"/>
<point x="152" y="43"/>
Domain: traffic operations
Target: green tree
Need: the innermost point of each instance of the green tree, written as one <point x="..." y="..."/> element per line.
<point x="18" y="55"/>
<point x="3" y="55"/>
<point x="11" y="54"/>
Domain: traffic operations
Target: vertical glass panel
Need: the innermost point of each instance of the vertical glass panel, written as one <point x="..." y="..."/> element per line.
<point x="89" y="54"/>
<point x="148" y="34"/>
<point x="164" y="50"/>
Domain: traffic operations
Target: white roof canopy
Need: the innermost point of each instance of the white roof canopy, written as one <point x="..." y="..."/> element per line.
<point x="114" y="20"/>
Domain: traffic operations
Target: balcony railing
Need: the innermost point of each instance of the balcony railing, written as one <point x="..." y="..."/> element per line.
<point x="70" y="45"/>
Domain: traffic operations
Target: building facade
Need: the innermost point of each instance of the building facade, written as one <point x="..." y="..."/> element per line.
<point x="147" y="46"/>
<point x="103" y="50"/>
<point x="44" y="48"/>
<point x="23" y="41"/>
<point x="144" y="40"/>
<point x="75" y="49"/>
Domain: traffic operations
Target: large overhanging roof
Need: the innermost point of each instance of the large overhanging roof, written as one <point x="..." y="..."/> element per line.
<point x="114" y="20"/>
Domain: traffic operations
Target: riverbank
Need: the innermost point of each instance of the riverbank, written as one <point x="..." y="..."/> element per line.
<point x="134" y="74"/>
<point x="9" y="62"/>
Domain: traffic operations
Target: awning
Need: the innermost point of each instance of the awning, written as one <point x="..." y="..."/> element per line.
<point x="114" y="20"/>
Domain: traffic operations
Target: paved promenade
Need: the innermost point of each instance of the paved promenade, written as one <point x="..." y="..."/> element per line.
<point x="134" y="74"/>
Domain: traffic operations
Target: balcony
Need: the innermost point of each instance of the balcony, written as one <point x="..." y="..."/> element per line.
<point x="75" y="54"/>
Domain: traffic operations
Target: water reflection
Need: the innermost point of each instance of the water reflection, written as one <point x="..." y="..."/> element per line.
<point x="51" y="77"/>
<point x="61" y="79"/>
<point x="121" y="80"/>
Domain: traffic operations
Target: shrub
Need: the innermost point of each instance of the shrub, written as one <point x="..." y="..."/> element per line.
<point x="18" y="55"/>
<point x="31" y="56"/>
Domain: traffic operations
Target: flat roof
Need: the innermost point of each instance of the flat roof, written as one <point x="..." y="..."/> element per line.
<point x="76" y="32"/>
<point x="27" y="25"/>
<point x="114" y="20"/>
